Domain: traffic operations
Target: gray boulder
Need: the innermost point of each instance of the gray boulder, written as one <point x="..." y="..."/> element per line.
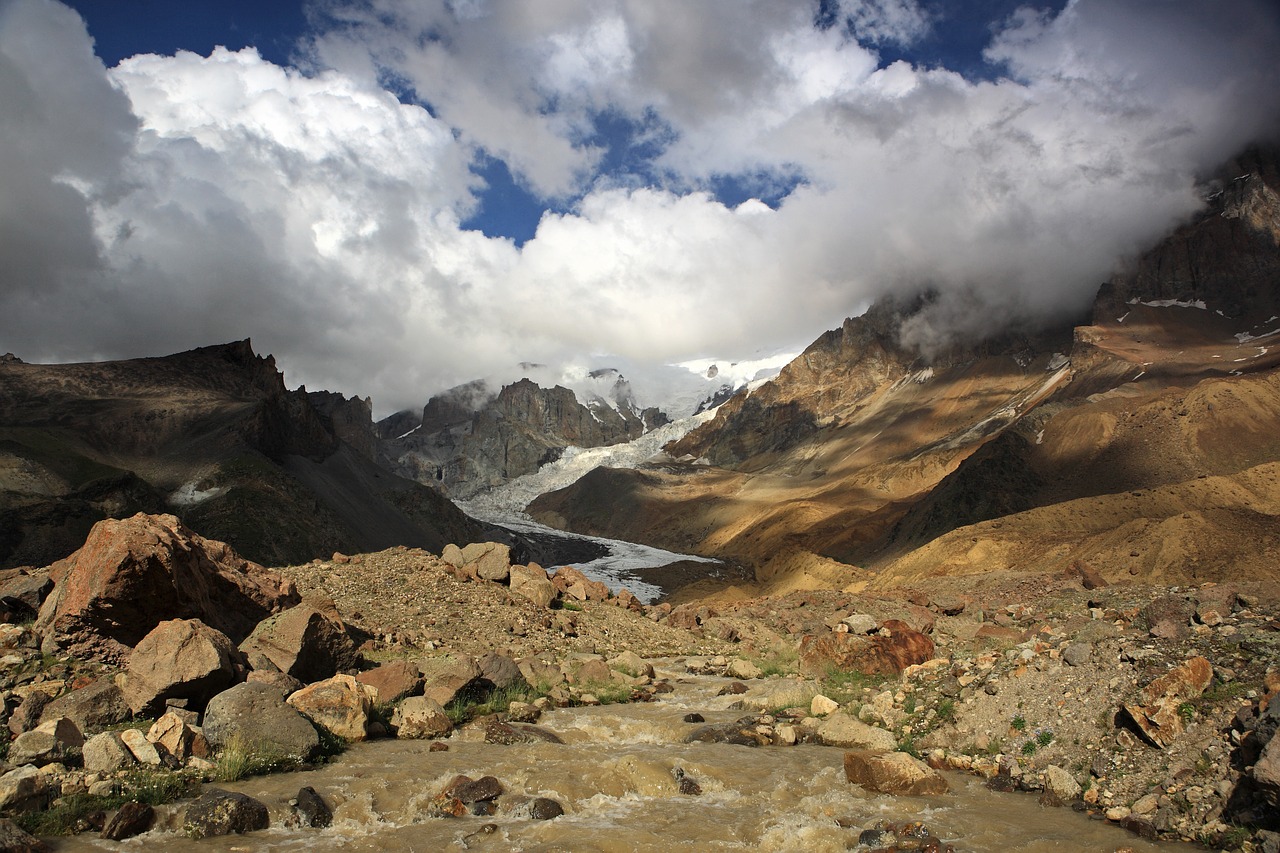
<point x="218" y="812"/>
<point x="256" y="717"/>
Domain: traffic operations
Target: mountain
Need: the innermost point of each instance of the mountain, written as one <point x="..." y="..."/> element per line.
<point x="213" y="436"/>
<point x="1142" y="442"/>
<point x="468" y="439"/>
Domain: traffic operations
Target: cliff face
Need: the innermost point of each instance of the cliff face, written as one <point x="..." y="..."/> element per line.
<point x="208" y="435"/>
<point x="467" y="441"/>
<point x="1143" y="443"/>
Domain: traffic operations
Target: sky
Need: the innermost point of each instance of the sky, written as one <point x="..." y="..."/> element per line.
<point x="394" y="197"/>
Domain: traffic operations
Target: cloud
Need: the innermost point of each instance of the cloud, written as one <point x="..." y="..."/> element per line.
<point x="175" y="201"/>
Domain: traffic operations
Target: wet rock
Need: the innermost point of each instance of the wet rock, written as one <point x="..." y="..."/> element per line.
<point x="132" y="573"/>
<point x="420" y="717"/>
<point x="892" y="773"/>
<point x="217" y="812"/>
<point x="312" y="809"/>
<point x="733" y="688"/>
<point x="14" y="839"/>
<point x="747" y="731"/>
<point x="339" y="705"/>
<point x="1156" y="714"/>
<point x="93" y="707"/>
<point x="392" y="681"/>
<point x="106" y="753"/>
<point x="257" y="717"/>
<point x="181" y="659"/>
<point x="132" y="819"/>
<point x="545" y="808"/>
<point x="308" y="642"/>
<point x="475" y="790"/>
<point x="23" y="790"/>
<point x="532" y="583"/>
<point x="444" y="684"/>
<point x="844" y="731"/>
<point x="694" y="718"/>
<point x="492" y="729"/>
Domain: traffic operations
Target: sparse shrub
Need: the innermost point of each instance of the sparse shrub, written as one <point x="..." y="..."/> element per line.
<point x="1044" y="738"/>
<point x="1029" y="748"/>
<point x="947" y="710"/>
<point x="1019" y="723"/>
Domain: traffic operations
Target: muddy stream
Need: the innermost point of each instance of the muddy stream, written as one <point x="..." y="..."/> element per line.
<point x="616" y="777"/>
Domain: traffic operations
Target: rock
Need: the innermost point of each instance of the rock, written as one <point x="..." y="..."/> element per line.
<point x="844" y="731"/>
<point x="93" y="707"/>
<point x="523" y="712"/>
<point x="14" y="839"/>
<point x="23" y="790"/>
<point x="142" y="749"/>
<point x="27" y="715"/>
<point x="532" y="583"/>
<point x="420" y="717"/>
<point x="172" y="734"/>
<point x="878" y="655"/>
<point x="1156" y="716"/>
<point x="307" y="642"/>
<point x="947" y="605"/>
<point x="445" y="683"/>
<point x="693" y="717"/>
<point x="1077" y="654"/>
<point x="490" y="561"/>
<point x="256" y="717"/>
<point x="892" y="773"/>
<point x="392" y="681"/>
<point x="339" y="705"/>
<point x="572" y="583"/>
<point x="452" y="555"/>
<point x="22" y="591"/>
<point x="1060" y="787"/>
<point x="545" y="808"/>
<point x="492" y="729"/>
<point x="586" y="669"/>
<point x="106" y="753"/>
<point x="217" y="812"/>
<point x="499" y="672"/>
<point x="1168" y="617"/>
<point x="132" y="819"/>
<point x="311" y="809"/>
<point x="273" y="677"/>
<point x="821" y="706"/>
<point x="181" y="659"/>
<point x="540" y="674"/>
<point x="132" y="573"/>
<point x="632" y="664"/>
<point x="740" y="668"/>
<point x="754" y="730"/>
<point x="859" y="623"/>
<point x="475" y="791"/>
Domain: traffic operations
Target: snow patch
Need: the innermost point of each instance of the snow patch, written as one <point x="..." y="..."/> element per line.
<point x="409" y="433"/>
<point x="1125" y="317"/>
<point x="1058" y="361"/>
<point x="1040" y="437"/>
<point x="190" y="494"/>
<point x="1169" y="303"/>
<point x="922" y="376"/>
<point x="1245" y="337"/>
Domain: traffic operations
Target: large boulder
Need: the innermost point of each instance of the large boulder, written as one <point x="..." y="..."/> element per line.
<point x="181" y="659"/>
<point x="256" y="717"/>
<point x="420" y="717"/>
<point x="22" y="591"/>
<point x="1155" y="714"/>
<point x="844" y="731"/>
<point x="133" y="573"/>
<point x="217" y="812"/>
<point x="489" y="561"/>
<point x="572" y="583"/>
<point x="339" y="705"/>
<point x="25" y="789"/>
<point x="448" y="679"/>
<point x="392" y="681"/>
<point x="309" y="642"/>
<point x="892" y="773"/>
<point x="896" y="647"/>
<point x="532" y="583"/>
<point x="106" y="753"/>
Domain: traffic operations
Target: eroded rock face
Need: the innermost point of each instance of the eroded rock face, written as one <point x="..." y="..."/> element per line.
<point x="132" y="573"/>
<point x="181" y="659"/>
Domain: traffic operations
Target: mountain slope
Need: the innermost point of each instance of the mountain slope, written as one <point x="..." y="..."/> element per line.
<point x="211" y="435"/>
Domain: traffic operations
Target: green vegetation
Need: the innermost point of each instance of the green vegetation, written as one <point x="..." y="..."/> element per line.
<point x="1029" y="748"/>
<point x="844" y="686"/>
<point x="781" y="659"/>
<point x="67" y="814"/>
<point x="240" y="759"/>
<point x="1018" y="723"/>
<point x="1045" y="737"/>
<point x="946" y="711"/>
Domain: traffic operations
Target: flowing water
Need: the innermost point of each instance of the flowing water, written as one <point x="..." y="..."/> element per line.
<point x="615" y="776"/>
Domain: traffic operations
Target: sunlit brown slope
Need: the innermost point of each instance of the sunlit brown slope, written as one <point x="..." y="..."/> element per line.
<point x="1144" y="443"/>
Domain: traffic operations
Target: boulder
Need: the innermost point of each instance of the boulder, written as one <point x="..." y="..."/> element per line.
<point x="312" y="810"/>
<point x="632" y="664"/>
<point x="743" y="668"/>
<point x="499" y="672"/>
<point x="572" y="583"/>
<point x="181" y="659"/>
<point x="25" y="789"/>
<point x="889" y="653"/>
<point x="143" y="750"/>
<point x="22" y="591"/>
<point x="844" y="731"/>
<point x="172" y="734"/>
<point x="93" y="707"/>
<point x="339" y="705"/>
<point x="392" y="681"/>
<point x="106" y="753"/>
<point x="1156" y="713"/>
<point x="132" y="573"/>
<point x="489" y="561"/>
<point x="27" y="715"/>
<point x="256" y="717"/>
<point x="1060" y="787"/>
<point x="821" y="706"/>
<point x="308" y="642"/>
<point x="218" y="812"/>
<point x="132" y="819"/>
<point x="892" y="773"/>
<point x="15" y="839"/>
<point x="54" y="740"/>
<point x="420" y="717"/>
<point x="444" y="683"/>
<point x="532" y="582"/>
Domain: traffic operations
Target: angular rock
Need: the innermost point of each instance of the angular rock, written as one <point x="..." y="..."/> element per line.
<point x="475" y="790"/>
<point x="54" y="740"/>
<point x="132" y="573"/>
<point x="172" y="734"/>
<point x="876" y="655"/>
<point x="181" y="659"/>
<point x="892" y="773"/>
<point x="446" y="682"/>
<point x="747" y="731"/>
<point x="574" y="584"/>
<point x="307" y="642"/>
<point x="392" y="681"/>
<point x="490" y="561"/>
<point x="859" y="623"/>
<point x="257" y="717"/>
<point x="532" y="583"/>
<point x="23" y="790"/>
<point x="132" y="819"/>
<point x="821" y="706"/>
<point x="844" y="731"/>
<point x="420" y="717"/>
<point x="27" y="715"/>
<point x="106" y="753"/>
<point x="22" y="591"/>
<point x="143" y="750"/>
<point x="631" y="663"/>
<point x="741" y="668"/>
<point x="14" y="839"/>
<point x="499" y="672"/>
<point x="340" y="705"/>
<point x="217" y="812"/>
<point x="92" y="708"/>
<point x="1060" y="787"/>
<point x="1156" y="714"/>
<point x="312" y="810"/>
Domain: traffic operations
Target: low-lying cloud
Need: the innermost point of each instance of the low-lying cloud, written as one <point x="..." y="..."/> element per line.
<point x="177" y="201"/>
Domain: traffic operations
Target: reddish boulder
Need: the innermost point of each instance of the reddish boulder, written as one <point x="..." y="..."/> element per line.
<point x="1156" y="714"/>
<point x="181" y="659"/>
<point x="393" y="681"/>
<point x="882" y="654"/>
<point x="309" y="642"/>
<point x="572" y="583"/>
<point x="133" y="573"/>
